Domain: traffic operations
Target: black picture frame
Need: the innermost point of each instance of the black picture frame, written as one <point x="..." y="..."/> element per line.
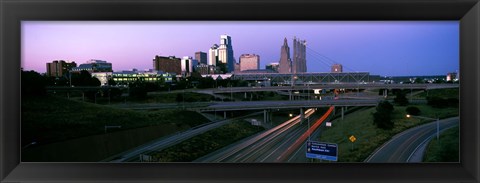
<point x="12" y="12"/>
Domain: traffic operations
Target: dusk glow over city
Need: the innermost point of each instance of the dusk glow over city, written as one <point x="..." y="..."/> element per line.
<point x="394" y="48"/>
<point x="242" y="92"/>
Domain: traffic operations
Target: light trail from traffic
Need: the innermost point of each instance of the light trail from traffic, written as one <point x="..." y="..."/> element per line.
<point x="304" y="137"/>
<point x="250" y="148"/>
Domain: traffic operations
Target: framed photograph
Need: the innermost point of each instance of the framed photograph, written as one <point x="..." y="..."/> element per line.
<point x="268" y="91"/>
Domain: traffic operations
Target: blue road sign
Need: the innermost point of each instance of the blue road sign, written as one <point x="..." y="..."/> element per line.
<point x="321" y="150"/>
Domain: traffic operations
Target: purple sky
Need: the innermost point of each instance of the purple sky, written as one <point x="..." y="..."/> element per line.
<point x="386" y="48"/>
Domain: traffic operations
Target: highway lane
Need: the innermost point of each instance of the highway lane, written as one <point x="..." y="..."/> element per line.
<point x="249" y="149"/>
<point x="171" y="140"/>
<point x="402" y="146"/>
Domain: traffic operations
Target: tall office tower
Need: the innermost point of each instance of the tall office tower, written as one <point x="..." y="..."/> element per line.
<point x="167" y="64"/>
<point x="225" y="52"/>
<point x="213" y="55"/>
<point x="59" y="68"/>
<point x="285" y="64"/>
<point x="201" y="57"/>
<point x="188" y="63"/>
<point x="249" y="62"/>
<point x="272" y="66"/>
<point x="299" y="63"/>
<point x="337" y="68"/>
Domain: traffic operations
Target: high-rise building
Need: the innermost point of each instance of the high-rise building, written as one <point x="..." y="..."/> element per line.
<point x="225" y="52"/>
<point x="272" y="66"/>
<point x="299" y="64"/>
<point x="249" y="62"/>
<point x="188" y="64"/>
<point x="285" y="64"/>
<point x="59" y="68"/>
<point x="337" y="68"/>
<point x="94" y="65"/>
<point x="213" y="55"/>
<point x="167" y="64"/>
<point x="201" y="57"/>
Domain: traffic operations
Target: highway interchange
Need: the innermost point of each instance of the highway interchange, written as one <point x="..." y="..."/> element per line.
<point x="272" y="145"/>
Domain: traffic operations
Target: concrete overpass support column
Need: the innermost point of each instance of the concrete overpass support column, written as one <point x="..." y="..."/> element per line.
<point x="265" y="118"/>
<point x="224" y="114"/>
<point x="270" y="117"/>
<point x="245" y="97"/>
<point x="302" y="115"/>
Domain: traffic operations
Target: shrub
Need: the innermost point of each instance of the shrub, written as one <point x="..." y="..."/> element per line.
<point x="400" y="99"/>
<point x="412" y="110"/>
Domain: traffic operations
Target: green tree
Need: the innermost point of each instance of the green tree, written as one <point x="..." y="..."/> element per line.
<point x="412" y="110"/>
<point x="111" y="82"/>
<point x="382" y="117"/>
<point x="33" y="84"/>
<point x="419" y="80"/>
<point x="84" y="78"/>
<point x="400" y="98"/>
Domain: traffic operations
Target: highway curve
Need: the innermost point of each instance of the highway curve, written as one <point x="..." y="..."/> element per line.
<point x="402" y="146"/>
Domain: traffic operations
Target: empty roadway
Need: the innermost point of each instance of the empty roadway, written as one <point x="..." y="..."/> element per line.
<point x="403" y="145"/>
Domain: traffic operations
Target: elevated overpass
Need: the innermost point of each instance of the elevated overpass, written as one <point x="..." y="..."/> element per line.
<point x="335" y="86"/>
<point x="299" y="78"/>
<point x="268" y="105"/>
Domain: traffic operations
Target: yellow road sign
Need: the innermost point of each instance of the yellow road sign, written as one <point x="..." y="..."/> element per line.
<point x="352" y="138"/>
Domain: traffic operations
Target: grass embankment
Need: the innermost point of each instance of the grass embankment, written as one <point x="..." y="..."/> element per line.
<point x="66" y="130"/>
<point x="369" y="137"/>
<point x="206" y="143"/>
<point x="442" y="93"/>
<point x="444" y="150"/>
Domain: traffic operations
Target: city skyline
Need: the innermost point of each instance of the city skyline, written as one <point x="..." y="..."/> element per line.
<point x="394" y="48"/>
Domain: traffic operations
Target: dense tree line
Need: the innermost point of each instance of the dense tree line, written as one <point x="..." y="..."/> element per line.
<point x="34" y="84"/>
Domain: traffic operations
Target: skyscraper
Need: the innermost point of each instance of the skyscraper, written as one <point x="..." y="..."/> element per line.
<point x="299" y="63"/>
<point x="188" y="63"/>
<point x="285" y="64"/>
<point x="249" y="62"/>
<point x="213" y="55"/>
<point x="225" y="52"/>
<point x="201" y="57"/>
